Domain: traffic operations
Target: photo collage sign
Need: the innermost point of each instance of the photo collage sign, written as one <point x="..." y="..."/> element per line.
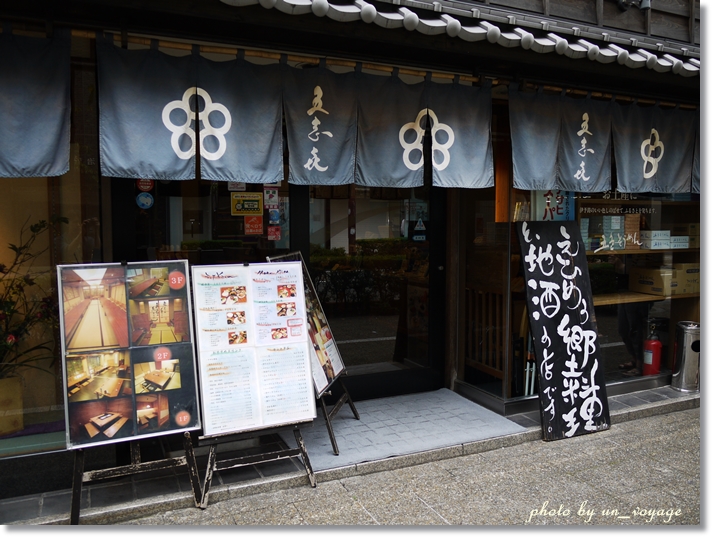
<point x="127" y="351"/>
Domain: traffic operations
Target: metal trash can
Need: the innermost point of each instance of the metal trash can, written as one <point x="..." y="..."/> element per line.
<point x="686" y="369"/>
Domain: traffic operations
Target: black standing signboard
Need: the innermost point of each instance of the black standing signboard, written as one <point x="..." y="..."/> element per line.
<point x="572" y="390"/>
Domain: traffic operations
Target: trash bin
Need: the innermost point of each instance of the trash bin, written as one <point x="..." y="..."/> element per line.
<point x="686" y="369"/>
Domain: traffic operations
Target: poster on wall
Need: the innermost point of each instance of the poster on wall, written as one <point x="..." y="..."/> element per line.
<point x="553" y="205"/>
<point x="252" y="347"/>
<point x="246" y="204"/>
<point x="127" y="354"/>
<point x="562" y="320"/>
<point x="326" y="361"/>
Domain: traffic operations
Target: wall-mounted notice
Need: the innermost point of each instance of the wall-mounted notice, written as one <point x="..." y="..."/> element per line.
<point x="572" y="390"/>
<point x="252" y="346"/>
<point x="326" y="360"/>
<point x="128" y="360"/>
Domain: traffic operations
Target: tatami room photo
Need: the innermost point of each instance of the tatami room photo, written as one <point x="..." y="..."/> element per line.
<point x="157" y="376"/>
<point x="152" y="412"/>
<point x="158" y="321"/>
<point x="98" y="375"/>
<point x="148" y="282"/>
<point x="102" y="420"/>
<point x="94" y="302"/>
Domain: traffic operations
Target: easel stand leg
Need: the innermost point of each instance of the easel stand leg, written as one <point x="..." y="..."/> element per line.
<point x="77" y="480"/>
<point x="212" y="454"/>
<point x="192" y="469"/>
<point x="136" y="467"/>
<point x="305" y="457"/>
<point x="345" y="398"/>
<point x="329" y="428"/>
<point x="215" y="465"/>
<point x="348" y="398"/>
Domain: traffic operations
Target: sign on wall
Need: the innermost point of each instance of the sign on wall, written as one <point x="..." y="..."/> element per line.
<point x="253" y="347"/>
<point x="127" y="353"/>
<point x="572" y="390"/>
<point x="553" y="205"/>
<point x="246" y="204"/>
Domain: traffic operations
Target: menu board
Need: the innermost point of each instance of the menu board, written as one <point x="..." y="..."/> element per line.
<point x="326" y="360"/>
<point x="127" y="353"/>
<point x="252" y="346"/>
<point x="572" y="390"/>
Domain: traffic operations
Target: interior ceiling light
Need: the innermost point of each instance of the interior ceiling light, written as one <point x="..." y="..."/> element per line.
<point x="91" y="276"/>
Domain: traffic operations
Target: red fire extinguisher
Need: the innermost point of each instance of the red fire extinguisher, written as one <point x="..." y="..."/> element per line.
<point x="652" y="353"/>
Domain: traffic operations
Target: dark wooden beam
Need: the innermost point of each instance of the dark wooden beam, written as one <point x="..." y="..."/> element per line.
<point x="256" y="27"/>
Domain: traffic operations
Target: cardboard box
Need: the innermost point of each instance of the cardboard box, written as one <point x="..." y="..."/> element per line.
<point x="679" y="238"/>
<point x="613" y="223"/>
<point x="694" y="241"/>
<point x="655" y="244"/>
<point x="686" y="229"/>
<point x="680" y="245"/>
<point x="654" y="281"/>
<point x="688" y="276"/>
<point x="632" y="221"/>
<point x="655" y="234"/>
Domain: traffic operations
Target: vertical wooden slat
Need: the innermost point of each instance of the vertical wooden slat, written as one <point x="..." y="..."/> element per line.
<point x="497" y="335"/>
<point x="693" y="11"/>
<point x="501" y="331"/>
<point x="490" y="345"/>
<point x="474" y="348"/>
<point x="481" y="336"/>
<point x="482" y="339"/>
<point x="468" y="324"/>
<point x="647" y="20"/>
<point x="473" y="325"/>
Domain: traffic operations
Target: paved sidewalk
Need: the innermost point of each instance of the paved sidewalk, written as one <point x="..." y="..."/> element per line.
<point x="650" y="453"/>
<point x="645" y="471"/>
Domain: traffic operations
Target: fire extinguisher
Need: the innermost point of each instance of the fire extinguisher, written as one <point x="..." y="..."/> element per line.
<point x="652" y="353"/>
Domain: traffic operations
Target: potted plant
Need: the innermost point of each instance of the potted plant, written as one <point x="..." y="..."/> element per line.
<point x="29" y="318"/>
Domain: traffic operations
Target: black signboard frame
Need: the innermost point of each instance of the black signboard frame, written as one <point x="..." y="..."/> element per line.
<point x="562" y="320"/>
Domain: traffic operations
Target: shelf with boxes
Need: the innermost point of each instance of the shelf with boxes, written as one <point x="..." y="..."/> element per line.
<point x="656" y="240"/>
<point x="645" y="250"/>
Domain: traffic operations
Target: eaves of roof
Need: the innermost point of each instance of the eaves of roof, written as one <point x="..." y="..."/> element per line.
<point x="508" y="29"/>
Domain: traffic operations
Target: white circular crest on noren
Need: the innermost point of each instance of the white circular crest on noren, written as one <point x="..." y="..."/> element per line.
<point x="417" y="144"/>
<point x="207" y="130"/>
<point x="649" y="147"/>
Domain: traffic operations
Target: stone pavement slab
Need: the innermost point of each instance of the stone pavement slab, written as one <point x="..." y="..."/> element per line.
<point x="599" y="479"/>
<point x="401" y="425"/>
<point x="496" y="480"/>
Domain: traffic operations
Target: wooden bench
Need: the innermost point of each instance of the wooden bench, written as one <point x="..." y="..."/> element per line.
<point x="91" y="430"/>
<point x="111" y="431"/>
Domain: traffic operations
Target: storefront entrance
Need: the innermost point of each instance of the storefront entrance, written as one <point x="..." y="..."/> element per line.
<point x="377" y="263"/>
<point x="375" y="256"/>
